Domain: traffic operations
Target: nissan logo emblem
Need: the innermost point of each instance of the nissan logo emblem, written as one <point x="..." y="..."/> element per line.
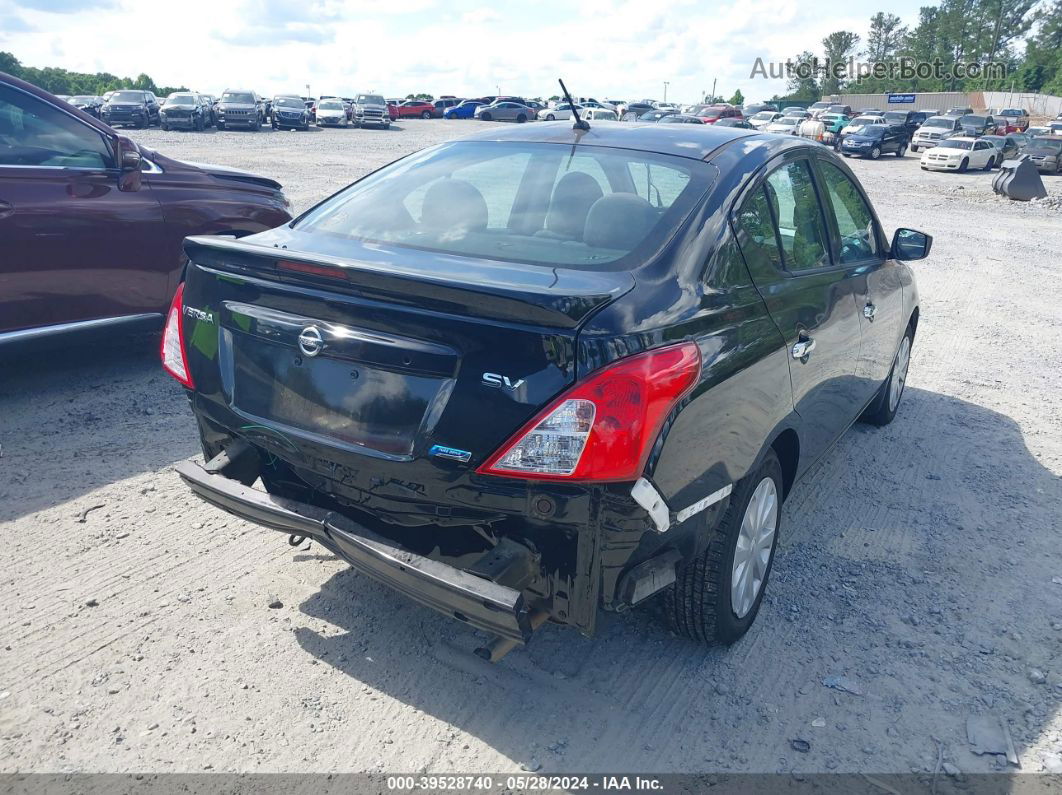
<point x="310" y="341"/>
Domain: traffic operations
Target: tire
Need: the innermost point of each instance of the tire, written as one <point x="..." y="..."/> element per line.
<point x="550" y="117"/>
<point x="521" y="119"/>
<point x="845" y="154"/>
<point x="991" y="163"/>
<point x="914" y="149"/>
<point x="485" y="117"/>
<point x="165" y="127"/>
<point x="901" y="151"/>
<point x="220" y="125"/>
<point x="875" y="153"/>
<point x="699" y="605"/>
<point x="965" y="164"/>
<point x="425" y="115"/>
<point x="883" y="407"/>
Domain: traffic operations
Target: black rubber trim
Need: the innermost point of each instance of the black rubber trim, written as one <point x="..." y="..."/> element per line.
<point x="481" y="603"/>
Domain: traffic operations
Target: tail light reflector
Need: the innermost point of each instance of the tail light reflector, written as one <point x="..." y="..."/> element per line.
<point x="602" y="428"/>
<point x="174" y="355"/>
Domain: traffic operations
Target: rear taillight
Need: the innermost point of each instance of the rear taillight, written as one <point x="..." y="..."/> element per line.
<point x="174" y="356"/>
<point x="603" y="428"/>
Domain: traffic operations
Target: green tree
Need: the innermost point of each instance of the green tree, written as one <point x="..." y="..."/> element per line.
<point x="738" y="98"/>
<point x="837" y="47"/>
<point x="886" y="35"/>
<point x="803" y="80"/>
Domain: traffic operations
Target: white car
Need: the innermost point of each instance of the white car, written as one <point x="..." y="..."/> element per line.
<point x="960" y="153"/>
<point x="787" y="125"/>
<point x="666" y="106"/>
<point x="598" y="114"/>
<point x="331" y="112"/>
<point x="763" y="118"/>
<point x="562" y="111"/>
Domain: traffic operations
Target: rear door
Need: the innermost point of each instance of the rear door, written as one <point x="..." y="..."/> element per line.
<point x="783" y="237"/>
<point x="859" y="247"/>
<point x="74" y="246"/>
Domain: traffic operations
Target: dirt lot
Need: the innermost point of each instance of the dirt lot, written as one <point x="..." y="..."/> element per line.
<point x="920" y="566"/>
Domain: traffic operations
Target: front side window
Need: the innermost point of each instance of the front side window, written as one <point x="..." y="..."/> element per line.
<point x="798" y="216"/>
<point x="855" y="223"/>
<point x="33" y="133"/>
<point x="524" y="202"/>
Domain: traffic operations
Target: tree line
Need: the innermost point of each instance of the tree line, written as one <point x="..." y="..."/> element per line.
<point x="61" y="81"/>
<point x="1024" y="37"/>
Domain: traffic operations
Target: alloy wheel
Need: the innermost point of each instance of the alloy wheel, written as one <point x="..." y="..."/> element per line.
<point x="752" y="551"/>
<point x="899" y="373"/>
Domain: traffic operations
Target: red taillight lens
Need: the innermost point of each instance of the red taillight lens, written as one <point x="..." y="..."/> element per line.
<point x="174" y="356"/>
<point x="603" y="428"/>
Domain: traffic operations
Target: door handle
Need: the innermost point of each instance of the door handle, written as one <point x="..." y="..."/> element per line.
<point x="869" y="311"/>
<point x="803" y="348"/>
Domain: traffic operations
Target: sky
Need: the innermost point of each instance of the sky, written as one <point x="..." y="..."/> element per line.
<point x="619" y="49"/>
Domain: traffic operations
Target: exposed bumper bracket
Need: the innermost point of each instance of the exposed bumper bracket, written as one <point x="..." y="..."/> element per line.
<point x="481" y="603"/>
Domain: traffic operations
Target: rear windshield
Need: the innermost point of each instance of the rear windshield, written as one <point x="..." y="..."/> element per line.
<point x="541" y="204"/>
<point x="764" y="114"/>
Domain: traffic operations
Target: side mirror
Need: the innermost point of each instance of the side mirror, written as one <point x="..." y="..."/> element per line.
<point x="910" y="244"/>
<point x="130" y="163"/>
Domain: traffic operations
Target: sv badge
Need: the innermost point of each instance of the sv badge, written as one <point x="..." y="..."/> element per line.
<point x="501" y="381"/>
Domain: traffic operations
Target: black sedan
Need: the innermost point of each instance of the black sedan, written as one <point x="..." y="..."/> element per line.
<point x="1006" y="145"/>
<point x="657" y="115"/>
<point x="874" y="140"/>
<point x="650" y="333"/>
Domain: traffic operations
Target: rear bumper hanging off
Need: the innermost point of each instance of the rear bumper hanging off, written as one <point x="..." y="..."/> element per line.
<point x="481" y="603"/>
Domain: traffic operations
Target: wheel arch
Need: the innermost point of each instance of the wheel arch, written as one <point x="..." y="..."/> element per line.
<point x="786" y="446"/>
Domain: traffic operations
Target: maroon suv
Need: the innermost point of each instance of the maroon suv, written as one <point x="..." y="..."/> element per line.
<point x="92" y="224"/>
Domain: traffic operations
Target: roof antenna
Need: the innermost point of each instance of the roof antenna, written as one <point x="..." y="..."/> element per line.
<point x="579" y="123"/>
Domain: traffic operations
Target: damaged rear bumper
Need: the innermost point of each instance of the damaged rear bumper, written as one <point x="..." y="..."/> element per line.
<point x="481" y="603"/>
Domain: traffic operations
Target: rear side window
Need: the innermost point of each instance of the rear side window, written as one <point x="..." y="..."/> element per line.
<point x="797" y="214"/>
<point x="855" y="224"/>
<point x="33" y="133"/>
<point x="523" y="202"/>
<point x="759" y="240"/>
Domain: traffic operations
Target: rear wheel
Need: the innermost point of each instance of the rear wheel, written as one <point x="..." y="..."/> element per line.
<point x="521" y="118"/>
<point x="717" y="595"/>
<point x="550" y="117"/>
<point x="484" y="117"/>
<point x="882" y="409"/>
<point x="425" y="115"/>
<point x="901" y="151"/>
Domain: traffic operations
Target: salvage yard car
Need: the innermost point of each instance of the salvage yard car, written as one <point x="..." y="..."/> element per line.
<point x="874" y="140"/>
<point x="934" y="130"/>
<point x="331" y="112"/>
<point x="290" y="113"/>
<point x="371" y="109"/>
<point x="959" y="154"/>
<point x="1045" y="151"/>
<point x="131" y="109"/>
<point x="239" y="108"/>
<point x="92" y="224"/>
<point x="541" y="370"/>
<point x="184" y="111"/>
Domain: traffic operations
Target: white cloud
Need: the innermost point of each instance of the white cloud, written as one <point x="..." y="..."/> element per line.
<point x="617" y="48"/>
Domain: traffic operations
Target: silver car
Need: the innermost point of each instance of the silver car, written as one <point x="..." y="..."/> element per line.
<point x="504" y="111"/>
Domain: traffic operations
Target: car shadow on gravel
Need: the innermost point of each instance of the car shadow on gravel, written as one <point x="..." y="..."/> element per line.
<point x="916" y="565"/>
<point x="78" y="415"/>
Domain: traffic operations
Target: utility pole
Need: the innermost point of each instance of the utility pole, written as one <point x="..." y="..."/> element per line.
<point x="308" y="94"/>
<point x="666" y="83"/>
<point x="713" y="88"/>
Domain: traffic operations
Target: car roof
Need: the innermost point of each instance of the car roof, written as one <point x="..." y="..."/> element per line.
<point x="967" y="138"/>
<point x="695" y="141"/>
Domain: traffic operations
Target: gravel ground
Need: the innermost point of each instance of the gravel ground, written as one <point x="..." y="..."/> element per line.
<point x="918" y="582"/>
